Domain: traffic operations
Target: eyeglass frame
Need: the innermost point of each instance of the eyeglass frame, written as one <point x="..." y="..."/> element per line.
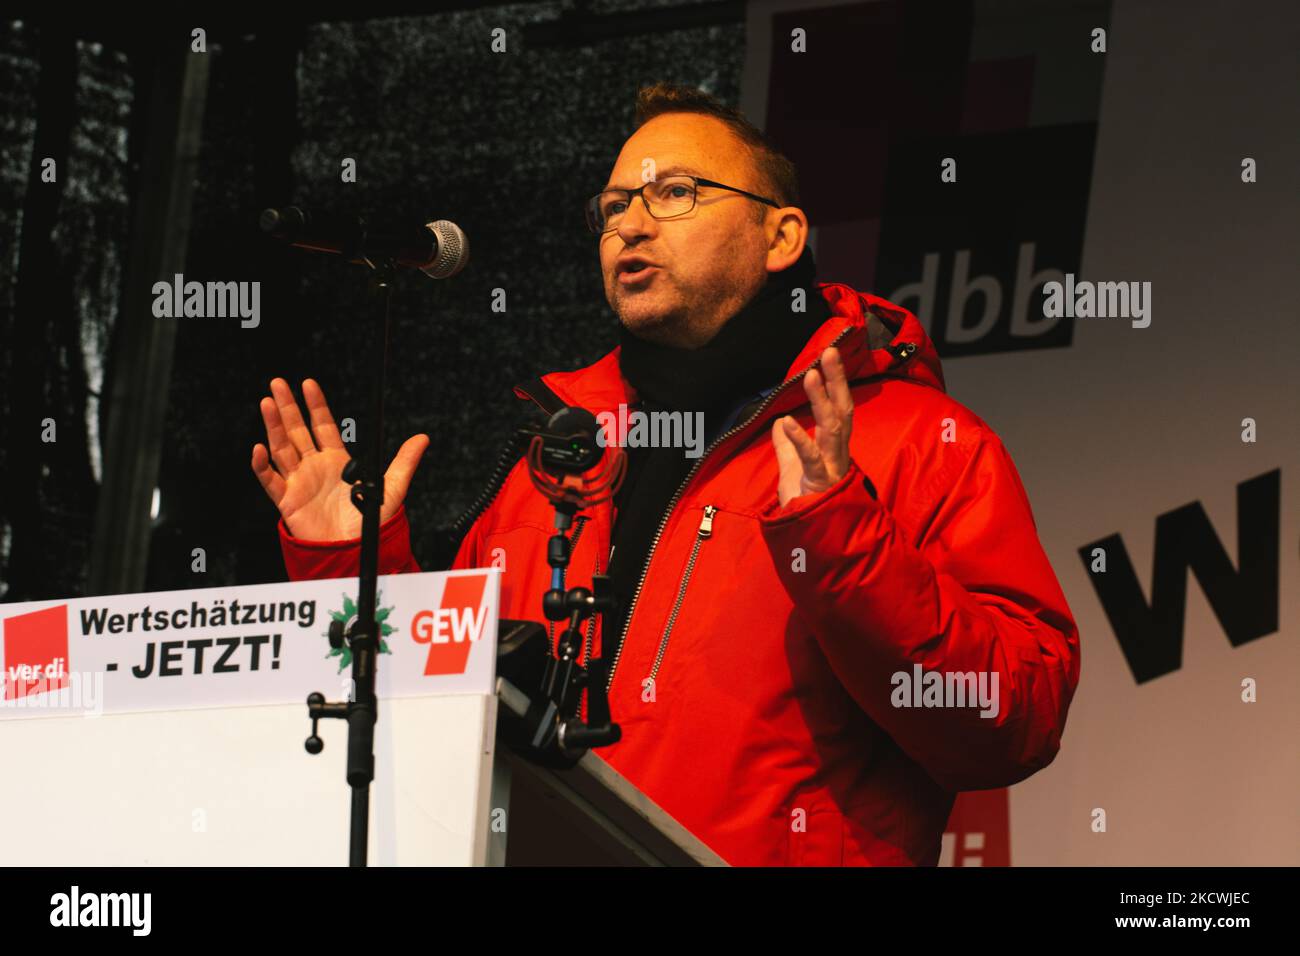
<point x="640" y="191"/>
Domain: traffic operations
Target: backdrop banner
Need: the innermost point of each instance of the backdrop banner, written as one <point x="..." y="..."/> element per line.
<point x="1109" y="284"/>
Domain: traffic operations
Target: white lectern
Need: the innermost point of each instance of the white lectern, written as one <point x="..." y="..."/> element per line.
<point x="147" y="729"/>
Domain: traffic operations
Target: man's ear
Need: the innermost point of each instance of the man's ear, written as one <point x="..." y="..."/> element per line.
<point x="788" y="239"/>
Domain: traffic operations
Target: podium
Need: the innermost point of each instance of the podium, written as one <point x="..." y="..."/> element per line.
<point x="589" y="815"/>
<point x="233" y="786"/>
<point x="168" y="729"/>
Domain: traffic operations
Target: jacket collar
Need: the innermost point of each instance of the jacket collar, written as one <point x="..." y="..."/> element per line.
<point x="600" y="387"/>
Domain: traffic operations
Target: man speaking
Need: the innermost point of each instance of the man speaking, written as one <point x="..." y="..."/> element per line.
<point x="836" y="617"/>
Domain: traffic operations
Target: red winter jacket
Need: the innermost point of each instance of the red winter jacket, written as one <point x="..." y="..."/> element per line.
<point x="770" y="729"/>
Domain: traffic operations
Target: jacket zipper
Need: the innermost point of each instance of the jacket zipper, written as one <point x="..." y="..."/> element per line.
<point x="705" y="531"/>
<point x="581" y="522"/>
<point x="591" y="621"/>
<point x="905" y="352"/>
<point x="585" y="659"/>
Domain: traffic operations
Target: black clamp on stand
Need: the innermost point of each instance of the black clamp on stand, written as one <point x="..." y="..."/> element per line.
<point x="552" y="732"/>
<point x="361" y="710"/>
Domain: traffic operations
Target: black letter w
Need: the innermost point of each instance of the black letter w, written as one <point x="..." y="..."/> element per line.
<point x="1244" y="600"/>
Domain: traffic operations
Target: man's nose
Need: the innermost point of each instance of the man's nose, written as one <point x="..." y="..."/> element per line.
<point x="636" y="220"/>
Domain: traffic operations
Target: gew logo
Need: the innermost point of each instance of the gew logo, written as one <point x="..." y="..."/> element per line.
<point x="452" y="629"/>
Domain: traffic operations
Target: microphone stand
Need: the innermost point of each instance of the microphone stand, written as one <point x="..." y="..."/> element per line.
<point x="549" y="729"/>
<point x="361" y="710"/>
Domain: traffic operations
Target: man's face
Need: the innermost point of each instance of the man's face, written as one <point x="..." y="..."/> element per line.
<point x="708" y="263"/>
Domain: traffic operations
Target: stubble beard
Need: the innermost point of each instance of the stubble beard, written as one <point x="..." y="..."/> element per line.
<point x="679" y="324"/>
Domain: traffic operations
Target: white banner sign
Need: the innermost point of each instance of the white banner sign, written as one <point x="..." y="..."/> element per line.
<point x="254" y="644"/>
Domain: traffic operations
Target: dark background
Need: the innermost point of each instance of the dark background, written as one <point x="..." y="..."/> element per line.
<point x="506" y="145"/>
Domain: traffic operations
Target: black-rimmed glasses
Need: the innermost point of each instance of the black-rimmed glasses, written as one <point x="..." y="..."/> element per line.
<point x="664" y="199"/>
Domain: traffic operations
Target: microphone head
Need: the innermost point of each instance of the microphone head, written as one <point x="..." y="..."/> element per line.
<point x="569" y="444"/>
<point x="282" y="223"/>
<point x="453" y="250"/>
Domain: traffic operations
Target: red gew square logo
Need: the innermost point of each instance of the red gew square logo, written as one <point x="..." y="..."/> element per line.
<point x="451" y="630"/>
<point x="36" y="652"/>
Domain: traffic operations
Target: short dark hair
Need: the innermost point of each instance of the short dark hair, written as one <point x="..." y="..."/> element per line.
<point x="774" y="167"/>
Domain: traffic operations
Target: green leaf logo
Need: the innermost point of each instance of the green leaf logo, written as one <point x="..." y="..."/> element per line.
<point x="345" y="617"/>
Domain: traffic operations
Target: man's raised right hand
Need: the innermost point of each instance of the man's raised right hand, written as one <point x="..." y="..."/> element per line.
<point x="306" y="483"/>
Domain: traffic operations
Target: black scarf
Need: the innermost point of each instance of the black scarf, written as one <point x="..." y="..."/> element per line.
<point x="750" y="353"/>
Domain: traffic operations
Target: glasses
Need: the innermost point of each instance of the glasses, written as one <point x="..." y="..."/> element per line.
<point x="664" y="199"/>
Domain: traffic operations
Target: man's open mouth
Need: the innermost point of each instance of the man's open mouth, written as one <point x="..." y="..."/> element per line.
<point x="635" y="273"/>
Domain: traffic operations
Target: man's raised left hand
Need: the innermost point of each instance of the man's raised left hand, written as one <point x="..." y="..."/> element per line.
<point x="812" y="464"/>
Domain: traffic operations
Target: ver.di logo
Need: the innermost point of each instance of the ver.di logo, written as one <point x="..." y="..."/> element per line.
<point x="344" y="653"/>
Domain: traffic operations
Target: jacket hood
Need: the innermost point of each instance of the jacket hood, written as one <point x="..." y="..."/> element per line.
<point x="879" y="334"/>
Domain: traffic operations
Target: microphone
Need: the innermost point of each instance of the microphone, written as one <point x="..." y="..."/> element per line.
<point x="438" y="249"/>
<point x="560" y="455"/>
<point x="569" y="445"/>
